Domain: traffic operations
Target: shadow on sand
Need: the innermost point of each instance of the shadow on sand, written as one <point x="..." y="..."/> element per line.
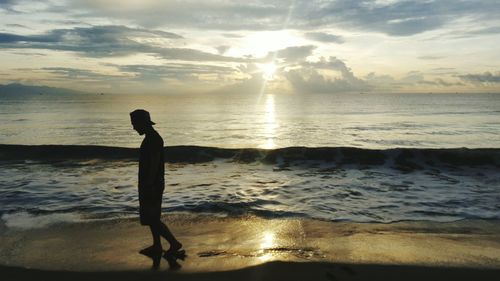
<point x="269" y="271"/>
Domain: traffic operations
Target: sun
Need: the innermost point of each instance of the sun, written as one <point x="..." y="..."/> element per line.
<point x="268" y="70"/>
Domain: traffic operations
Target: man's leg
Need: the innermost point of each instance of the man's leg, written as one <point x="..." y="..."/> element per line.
<point x="167" y="234"/>
<point x="155" y="233"/>
<point x="155" y="249"/>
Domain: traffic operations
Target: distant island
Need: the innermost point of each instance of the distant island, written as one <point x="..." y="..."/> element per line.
<point x="20" y="89"/>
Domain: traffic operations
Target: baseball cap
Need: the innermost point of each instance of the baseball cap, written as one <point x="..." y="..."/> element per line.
<point x="141" y="115"/>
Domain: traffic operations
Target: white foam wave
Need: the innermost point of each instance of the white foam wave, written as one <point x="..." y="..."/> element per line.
<point x="26" y="220"/>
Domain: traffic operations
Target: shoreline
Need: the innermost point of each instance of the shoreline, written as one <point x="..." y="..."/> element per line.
<point x="276" y="270"/>
<point x="233" y="243"/>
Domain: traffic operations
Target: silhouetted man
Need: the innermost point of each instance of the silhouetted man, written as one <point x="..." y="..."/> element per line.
<point x="152" y="184"/>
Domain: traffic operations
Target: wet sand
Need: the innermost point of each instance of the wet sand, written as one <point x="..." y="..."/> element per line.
<point x="250" y="248"/>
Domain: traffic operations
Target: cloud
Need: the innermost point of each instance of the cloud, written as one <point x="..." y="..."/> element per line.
<point x="29" y="54"/>
<point x="292" y="54"/>
<point x="179" y="71"/>
<point x="430" y="57"/>
<point x="397" y="18"/>
<point x="221" y="15"/>
<point x="108" y="41"/>
<point x="324" y="37"/>
<point x="16" y="25"/>
<point x="308" y="77"/>
<point x="88" y="35"/>
<point x="473" y="32"/>
<point x="80" y="74"/>
<point x="95" y="34"/>
<point x="6" y="3"/>
<point x="222" y="49"/>
<point x="409" y="82"/>
<point x="412" y="77"/>
<point x="439" y="82"/>
<point x="334" y="64"/>
<point x="404" y="18"/>
<point x="11" y="38"/>
<point x="76" y="78"/>
<point x="484" y="78"/>
<point x="488" y="30"/>
<point x="140" y="72"/>
<point x="232" y="35"/>
<point x="171" y="77"/>
<point x="332" y="75"/>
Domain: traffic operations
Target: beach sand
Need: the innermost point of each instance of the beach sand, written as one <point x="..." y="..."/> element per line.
<point x="250" y="248"/>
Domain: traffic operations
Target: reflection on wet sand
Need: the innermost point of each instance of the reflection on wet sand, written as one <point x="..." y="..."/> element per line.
<point x="219" y="244"/>
<point x="267" y="243"/>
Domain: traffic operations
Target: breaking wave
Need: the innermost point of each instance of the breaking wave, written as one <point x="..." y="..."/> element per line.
<point x="401" y="158"/>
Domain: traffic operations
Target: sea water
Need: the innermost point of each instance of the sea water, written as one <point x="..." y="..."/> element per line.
<point x="40" y="191"/>
<point x="267" y="121"/>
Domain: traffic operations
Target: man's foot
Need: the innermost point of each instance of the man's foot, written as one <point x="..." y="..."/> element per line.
<point x="152" y="251"/>
<point x="174" y="248"/>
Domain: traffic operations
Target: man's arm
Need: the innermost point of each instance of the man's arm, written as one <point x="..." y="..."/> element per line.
<point x="153" y="164"/>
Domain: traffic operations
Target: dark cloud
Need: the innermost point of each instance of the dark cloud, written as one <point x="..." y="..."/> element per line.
<point x="30" y="54"/>
<point x="11" y="38"/>
<point x="104" y="41"/>
<point x="221" y="15"/>
<point x="66" y="22"/>
<point x="6" y="3"/>
<point x="16" y="25"/>
<point x="484" y="78"/>
<point x="402" y="18"/>
<point x="398" y="18"/>
<point x="222" y="49"/>
<point x="292" y="54"/>
<point x="324" y="37"/>
<point x="88" y="35"/>
<point x="7" y="6"/>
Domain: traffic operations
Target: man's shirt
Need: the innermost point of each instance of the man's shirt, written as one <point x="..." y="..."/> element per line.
<point x="151" y="163"/>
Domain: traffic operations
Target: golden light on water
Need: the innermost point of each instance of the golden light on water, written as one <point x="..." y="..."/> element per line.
<point x="267" y="243"/>
<point x="270" y="124"/>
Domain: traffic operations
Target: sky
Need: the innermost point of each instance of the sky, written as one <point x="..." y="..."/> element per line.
<point x="247" y="47"/>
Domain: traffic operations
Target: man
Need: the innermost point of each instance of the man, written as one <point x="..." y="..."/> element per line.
<point x="152" y="184"/>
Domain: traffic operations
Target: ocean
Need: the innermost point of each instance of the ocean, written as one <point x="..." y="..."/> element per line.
<point x="338" y="157"/>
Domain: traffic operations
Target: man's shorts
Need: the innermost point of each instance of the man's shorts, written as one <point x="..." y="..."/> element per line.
<point x="150" y="205"/>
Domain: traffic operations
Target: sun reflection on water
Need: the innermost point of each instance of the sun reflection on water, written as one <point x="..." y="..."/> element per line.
<point x="270" y="124"/>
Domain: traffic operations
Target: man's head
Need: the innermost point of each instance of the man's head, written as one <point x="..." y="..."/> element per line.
<point x="141" y="121"/>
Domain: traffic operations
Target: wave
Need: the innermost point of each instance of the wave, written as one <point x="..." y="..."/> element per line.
<point x="402" y="158"/>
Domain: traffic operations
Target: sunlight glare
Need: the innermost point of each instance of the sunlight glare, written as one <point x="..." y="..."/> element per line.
<point x="268" y="70"/>
<point x="267" y="243"/>
<point x="259" y="44"/>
